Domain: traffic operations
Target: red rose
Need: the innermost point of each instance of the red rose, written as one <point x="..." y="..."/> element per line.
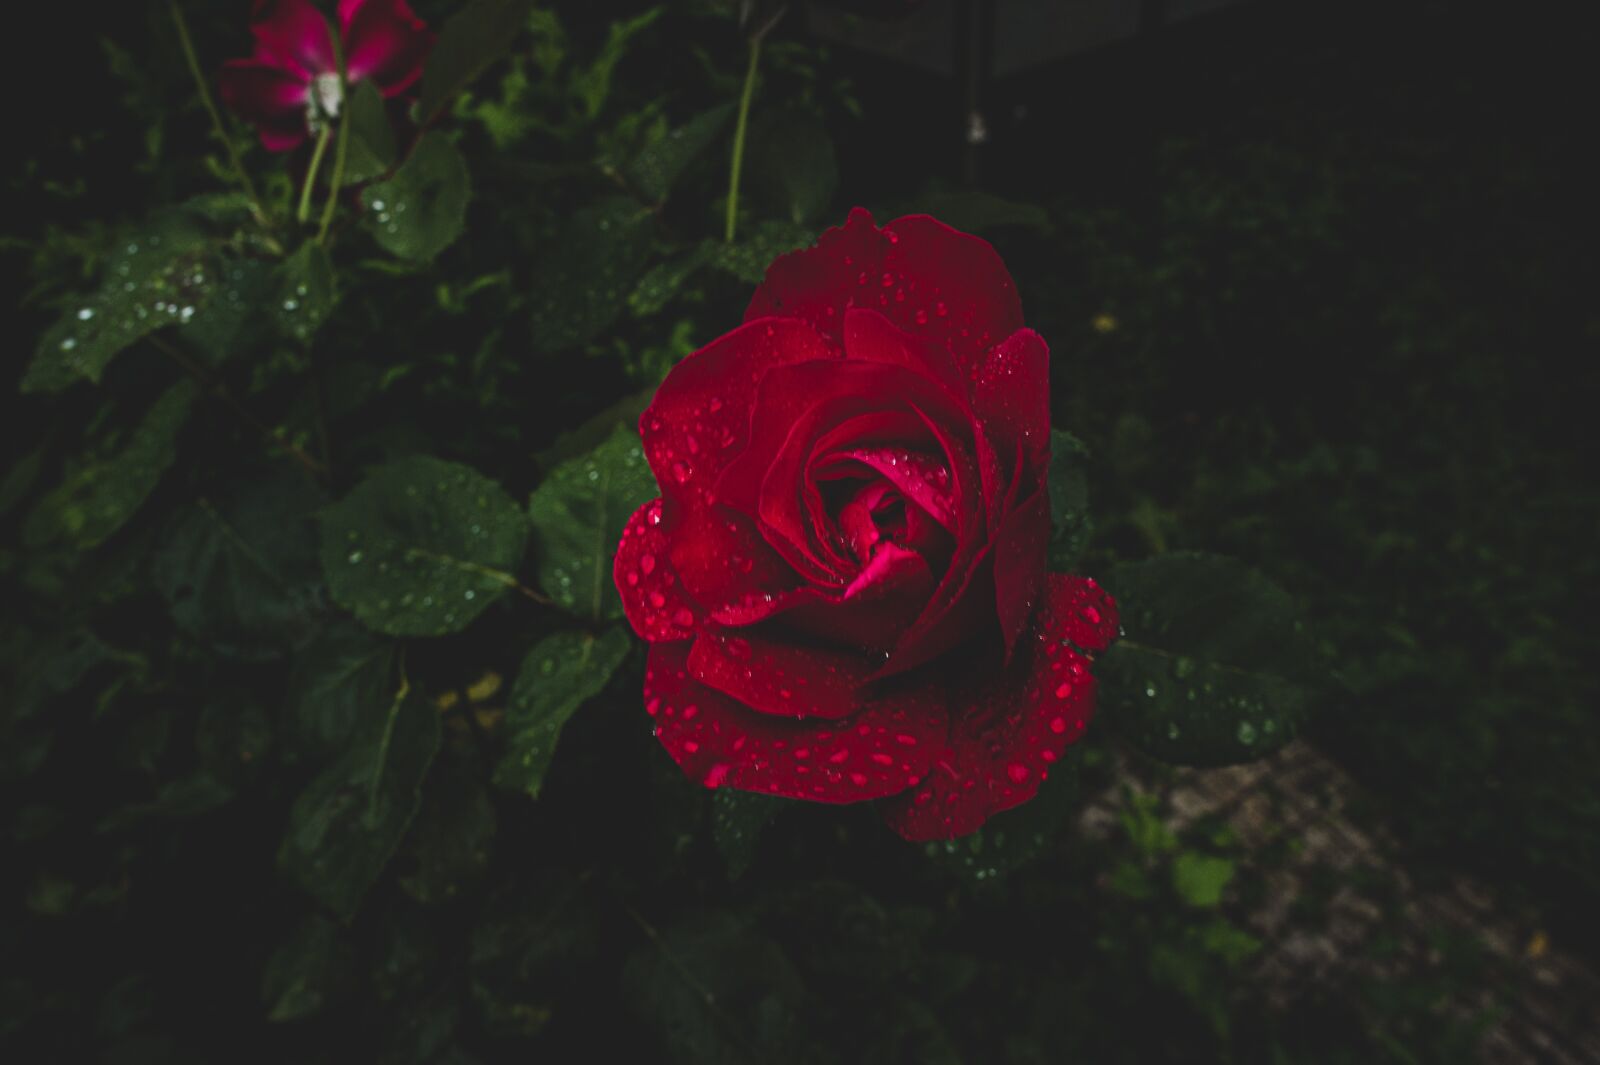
<point x="844" y="583"/>
<point x="292" y="82"/>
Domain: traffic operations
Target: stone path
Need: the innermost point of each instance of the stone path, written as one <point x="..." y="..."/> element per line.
<point x="1292" y="818"/>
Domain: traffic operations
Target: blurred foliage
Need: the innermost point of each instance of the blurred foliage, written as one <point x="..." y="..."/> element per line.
<point x="323" y="740"/>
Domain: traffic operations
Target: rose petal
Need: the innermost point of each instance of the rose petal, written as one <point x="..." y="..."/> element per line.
<point x="870" y="336"/>
<point x="819" y="283"/>
<point x="262" y="93"/>
<point x="1011" y="396"/>
<point x="922" y="275"/>
<point x="653" y="598"/>
<point x="882" y="749"/>
<point x="1018" y="725"/>
<point x="779" y="677"/>
<point x="386" y="43"/>
<point x="1019" y="564"/>
<point x="397" y="8"/>
<point x="958" y="280"/>
<point x="795" y="407"/>
<point x="725" y="563"/>
<point x="1087" y="613"/>
<point x="295" y="34"/>
<point x="922" y="478"/>
<point x="699" y="419"/>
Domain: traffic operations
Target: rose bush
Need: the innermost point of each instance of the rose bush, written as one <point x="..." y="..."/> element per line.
<point x="843" y="582"/>
<point x="292" y="83"/>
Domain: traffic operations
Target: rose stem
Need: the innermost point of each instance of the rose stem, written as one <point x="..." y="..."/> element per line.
<point x="344" y="138"/>
<point x="738" y="138"/>
<point x="217" y="128"/>
<point x="311" y="173"/>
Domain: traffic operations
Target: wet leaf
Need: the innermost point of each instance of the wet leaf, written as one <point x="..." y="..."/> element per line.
<point x="307" y="292"/>
<point x="1071" y="526"/>
<point x="657" y="166"/>
<point x="422" y="209"/>
<point x="337" y="682"/>
<point x="584" y="284"/>
<point x="558" y="676"/>
<point x="371" y="149"/>
<point x="578" y="514"/>
<point x="238" y="315"/>
<point x="738" y="821"/>
<point x="99" y="494"/>
<point x="470" y="41"/>
<point x="421" y="547"/>
<point x="347" y="823"/>
<point x="240" y="574"/>
<point x="1215" y="668"/>
<point x="160" y="273"/>
<point x="454" y="833"/>
<point x="748" y="258"/>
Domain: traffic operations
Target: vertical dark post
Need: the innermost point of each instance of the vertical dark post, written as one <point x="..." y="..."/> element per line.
<point x="974" y="45"/>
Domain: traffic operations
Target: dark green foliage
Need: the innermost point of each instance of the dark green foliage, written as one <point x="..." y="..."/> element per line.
<point x="1215" y="667"/>
<point x="420" y="211"/>
<point x="348" y="821"/>
<point x="578" y="514"/>
<point x="421" y="547"/>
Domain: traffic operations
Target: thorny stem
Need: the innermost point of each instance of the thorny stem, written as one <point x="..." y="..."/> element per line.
<point x="217" y="128"/>
<point x="209" y="381"/>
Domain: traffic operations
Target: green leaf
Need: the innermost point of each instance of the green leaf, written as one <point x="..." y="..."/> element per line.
<point x="738" y="821"/>
<point x="158" y="276"/>
<point x="662" y="282"/>
<point x="578" y="514"/>
<point x="232" y="321"/>
<point x="309" y="971"/>
<point x="558" y="676"/>
<point x="349" y="820"/>
<point x="748" y="258"/>
<point x="718" y="992"/>
<point x="658" y="165"/>
<point x="792" y="165"/>
<point x="1071" y="526"/>
<point x="592" y="86"/>
<point x="1214" y="668"/>
<point x="99" y="495"/>
<point x="185" y="797"/>
<point x="1199" y="879"/>
<point x="307" y="292"/>
<point x="240" y="575"/>
<point x="583" y="286"/>
<point x="421" y="547"/>
<point x="450" y="846"/>
<point x="422" y="209"/>
<point x="338" y="681"/>
<point x="469" y="43"/>
<point x="371" y="149"/>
